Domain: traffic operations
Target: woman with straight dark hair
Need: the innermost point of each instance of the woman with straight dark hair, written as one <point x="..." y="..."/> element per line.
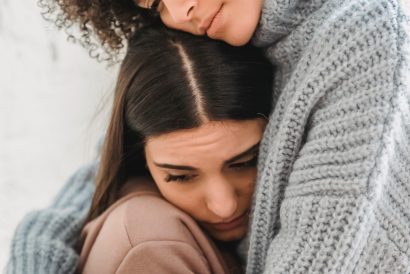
<point x="333" y="174"/>
<point x="178" y="165"/>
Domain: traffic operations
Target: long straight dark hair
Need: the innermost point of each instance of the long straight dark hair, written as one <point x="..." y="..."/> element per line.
<point x="170" y="81"/>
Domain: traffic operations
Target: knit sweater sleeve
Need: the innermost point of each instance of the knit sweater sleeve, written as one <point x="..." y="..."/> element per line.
<point x="333" y="190"/>
<point x="45" y="240"/>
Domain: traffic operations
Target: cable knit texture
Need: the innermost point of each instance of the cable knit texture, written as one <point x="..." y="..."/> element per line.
<point x="333" y="191"/>
<point x="45" y="240"/>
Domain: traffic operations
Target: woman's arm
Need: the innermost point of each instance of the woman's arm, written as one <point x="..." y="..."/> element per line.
<point x="333" y="192"/>
<point x="45" y="240"/>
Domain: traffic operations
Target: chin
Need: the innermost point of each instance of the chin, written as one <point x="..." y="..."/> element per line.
<point x="237" y="42"/>
<point x="239" y="33"/>
<point x="238" y="39"/>
<point x="234" y="37"/>
<point x="228" y="236"/>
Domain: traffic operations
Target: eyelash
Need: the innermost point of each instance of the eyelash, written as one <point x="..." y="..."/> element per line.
<point x="179" y="178"/>
<point x="154" y="5"/>
<point x="240" y="166"/>
<point x="236" y="167"/>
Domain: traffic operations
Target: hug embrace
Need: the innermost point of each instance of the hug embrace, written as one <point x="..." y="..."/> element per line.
<point x="246" y="136"/>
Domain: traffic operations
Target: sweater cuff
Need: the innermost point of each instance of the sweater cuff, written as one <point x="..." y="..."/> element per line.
<point x="45" y="240"/>
<point x="40" y="255"/>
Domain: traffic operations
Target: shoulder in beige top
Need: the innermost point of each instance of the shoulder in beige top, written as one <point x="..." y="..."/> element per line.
<point x="143" y="233"/>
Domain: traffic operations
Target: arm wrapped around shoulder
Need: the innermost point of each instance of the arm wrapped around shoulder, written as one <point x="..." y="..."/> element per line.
<point x="45" y="240"/>
<point x="333" y="193"/>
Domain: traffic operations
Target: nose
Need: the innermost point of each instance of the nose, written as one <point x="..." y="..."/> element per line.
<point x="222" y="199"/>
<point x="181" y="11"/>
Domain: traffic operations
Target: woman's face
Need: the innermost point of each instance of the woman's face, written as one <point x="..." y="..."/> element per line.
<point x="232" y="21"/>
<point x="209" y="172"/>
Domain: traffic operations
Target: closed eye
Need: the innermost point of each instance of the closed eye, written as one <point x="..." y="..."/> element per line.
<point x="244" y="165"/>
<point x="154" y="6"/>
<point x="179" y="178"/>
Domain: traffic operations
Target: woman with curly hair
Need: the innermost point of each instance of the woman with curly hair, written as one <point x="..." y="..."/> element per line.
<point x="333" y="171"/>
<point x="105" y="26"/>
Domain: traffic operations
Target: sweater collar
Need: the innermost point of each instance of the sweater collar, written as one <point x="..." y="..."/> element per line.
<point x="280" y="17"/>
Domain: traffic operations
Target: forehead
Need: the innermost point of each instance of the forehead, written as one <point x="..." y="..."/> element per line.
<point x="213" y="140"/>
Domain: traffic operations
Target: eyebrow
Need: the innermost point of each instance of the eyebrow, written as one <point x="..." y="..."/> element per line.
<point x="253" y="149"/>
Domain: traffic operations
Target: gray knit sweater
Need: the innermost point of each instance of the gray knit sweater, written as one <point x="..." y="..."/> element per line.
<point x="333" y="191"/>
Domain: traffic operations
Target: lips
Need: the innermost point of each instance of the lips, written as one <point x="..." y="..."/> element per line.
<point x="238" y="221"/>
<point x="208" y="22"/>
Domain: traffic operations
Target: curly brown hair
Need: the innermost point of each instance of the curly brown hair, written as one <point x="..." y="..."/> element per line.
<point x="103" y="27"/>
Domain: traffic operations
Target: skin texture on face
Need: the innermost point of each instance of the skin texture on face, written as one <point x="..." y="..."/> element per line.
<point x="232" y="21"/>
<point x="209" y="172"/>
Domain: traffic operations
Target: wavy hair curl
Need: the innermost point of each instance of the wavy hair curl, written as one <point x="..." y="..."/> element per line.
<point x="103" y="27"/>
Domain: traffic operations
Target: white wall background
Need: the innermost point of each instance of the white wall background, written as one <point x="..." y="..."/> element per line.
<point x="50" y="93"/>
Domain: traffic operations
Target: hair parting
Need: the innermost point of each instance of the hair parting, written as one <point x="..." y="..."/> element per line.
<point x="193" y="82"/>
<point x="170" y="81"/>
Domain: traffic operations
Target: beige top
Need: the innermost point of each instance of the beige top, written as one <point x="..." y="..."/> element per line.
<point x="143" y="233"/>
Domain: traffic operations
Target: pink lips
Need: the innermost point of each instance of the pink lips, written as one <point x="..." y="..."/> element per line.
<point x="206" y="25"/>
<point x="231" y="224"/>
<point x="212" y="26"/>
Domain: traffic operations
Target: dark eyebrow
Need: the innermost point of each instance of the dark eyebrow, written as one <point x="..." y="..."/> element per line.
<point x="251" y="150"/>
<point x="175" y="166"/>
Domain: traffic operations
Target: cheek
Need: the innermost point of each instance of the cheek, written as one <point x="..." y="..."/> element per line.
<point x="170" y="23"/>
<point x="180" y="196"/>
<point x="243" y="177"/>
<point x="245" y="186"/>
<point x="167" y="20"/>
<point x="248" y="182"/>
